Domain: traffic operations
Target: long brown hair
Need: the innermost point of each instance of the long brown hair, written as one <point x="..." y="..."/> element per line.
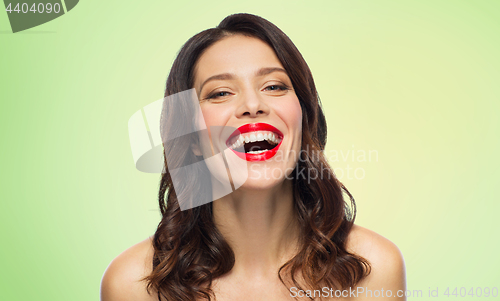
<point x="189" y="251"/>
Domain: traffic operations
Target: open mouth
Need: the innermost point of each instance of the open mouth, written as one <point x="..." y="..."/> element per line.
<point x="255" y="141"/>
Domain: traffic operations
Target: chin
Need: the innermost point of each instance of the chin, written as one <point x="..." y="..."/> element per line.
<point x="264" y="177"/>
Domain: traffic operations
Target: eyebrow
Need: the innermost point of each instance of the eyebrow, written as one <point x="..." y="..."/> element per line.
<point x="266" y="71"/>
<point x="230" y="76"/>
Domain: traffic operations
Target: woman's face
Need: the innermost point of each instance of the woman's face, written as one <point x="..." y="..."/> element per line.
<point x="242" y="86"/>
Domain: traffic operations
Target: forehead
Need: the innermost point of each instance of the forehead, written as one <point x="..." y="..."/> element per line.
<point x="238" y="54"/>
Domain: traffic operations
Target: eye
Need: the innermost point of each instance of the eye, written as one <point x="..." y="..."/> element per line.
<point x="276" y="88"/>
<point x="218" y="95"/>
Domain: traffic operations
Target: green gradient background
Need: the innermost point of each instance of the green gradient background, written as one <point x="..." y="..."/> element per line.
<point x="417" y="81"/>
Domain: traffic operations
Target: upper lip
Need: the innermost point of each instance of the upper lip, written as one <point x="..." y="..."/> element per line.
<point x="254" y="127"/>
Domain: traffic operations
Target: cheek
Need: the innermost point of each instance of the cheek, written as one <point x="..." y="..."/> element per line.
<point x="215" y="118"/>
<point x="214" y="115"/>
<point x="292" y="115"/>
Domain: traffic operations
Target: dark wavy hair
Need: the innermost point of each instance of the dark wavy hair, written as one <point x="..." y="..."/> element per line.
<point x="189" y="250"/>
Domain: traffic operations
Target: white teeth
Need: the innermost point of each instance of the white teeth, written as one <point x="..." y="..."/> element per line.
<point x="254" y="137"/>
<point x="257" y="152"/>
<point x="238" y="143"/>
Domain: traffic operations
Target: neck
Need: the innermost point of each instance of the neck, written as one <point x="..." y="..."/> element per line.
<point x="261" y="228"/>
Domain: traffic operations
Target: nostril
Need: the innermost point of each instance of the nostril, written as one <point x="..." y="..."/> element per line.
<point x="247" y="113"/>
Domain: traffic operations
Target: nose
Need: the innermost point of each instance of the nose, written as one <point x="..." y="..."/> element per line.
<point x="252" y="105"/>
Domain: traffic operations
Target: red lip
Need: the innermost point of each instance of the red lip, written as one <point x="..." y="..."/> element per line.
<point x="254" y="127"/>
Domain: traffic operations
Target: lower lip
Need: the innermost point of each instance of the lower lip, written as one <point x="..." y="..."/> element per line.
<point x="258" y="157"/>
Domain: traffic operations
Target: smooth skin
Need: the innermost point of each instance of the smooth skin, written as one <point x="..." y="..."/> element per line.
<point x="239" y="81"/>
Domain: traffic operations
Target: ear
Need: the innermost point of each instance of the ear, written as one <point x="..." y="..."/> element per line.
<point x="196" y="149"/>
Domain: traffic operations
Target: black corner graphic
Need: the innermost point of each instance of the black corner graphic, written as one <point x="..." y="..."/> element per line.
<point x="28" y="13"/>
<point x="70" y="4"/>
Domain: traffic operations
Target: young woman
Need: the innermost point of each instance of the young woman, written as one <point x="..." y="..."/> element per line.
<point x="287" y="233"/>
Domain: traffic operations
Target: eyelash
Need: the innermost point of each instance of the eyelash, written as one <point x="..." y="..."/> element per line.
<point x="279" y="88"/>
<point x="215" y="95"/>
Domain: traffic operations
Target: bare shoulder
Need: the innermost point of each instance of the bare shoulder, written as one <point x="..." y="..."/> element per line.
<point x="388" y="270"/>
<point x="122" y="278"/>
<point x="377" y="249"/>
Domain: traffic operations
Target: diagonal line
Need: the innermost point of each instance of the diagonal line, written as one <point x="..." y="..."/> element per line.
<point x="226" y="165"/>
<point x="147" y="128"/>
<point x="64" y="6"/>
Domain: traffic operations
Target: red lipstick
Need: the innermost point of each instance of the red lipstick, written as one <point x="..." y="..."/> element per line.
<point x="255" y="127"/>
